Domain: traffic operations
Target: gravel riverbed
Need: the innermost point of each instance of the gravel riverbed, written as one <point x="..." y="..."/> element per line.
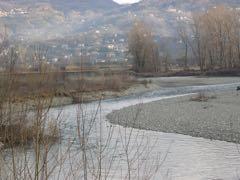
<point x="217" y="118"/>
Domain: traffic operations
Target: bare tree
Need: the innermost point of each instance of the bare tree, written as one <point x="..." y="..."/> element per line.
<point x="183" y="34"/>
<point x="215" y="42"/>
<point x="143" y="49"/>
<point x="4" y="47"/>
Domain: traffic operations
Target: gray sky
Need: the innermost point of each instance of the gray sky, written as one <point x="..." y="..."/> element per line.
<point x="126" y="1"/>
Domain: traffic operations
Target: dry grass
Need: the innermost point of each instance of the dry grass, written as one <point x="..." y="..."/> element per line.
<point x="29" y="86"/>
<point x="20" y="122"/>
<point x="16" y="91"/>
<point x="202" y="97"/>
<point x="103" y="83"/>
<point x="21" y="134"/>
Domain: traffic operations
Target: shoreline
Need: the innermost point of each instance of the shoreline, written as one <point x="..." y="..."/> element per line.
<point x="150" y="85"/>
<point x="144" y="85"/>
<point x="96" y="96"/>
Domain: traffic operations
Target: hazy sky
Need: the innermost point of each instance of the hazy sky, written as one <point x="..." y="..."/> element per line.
<point x="126" y="1"/>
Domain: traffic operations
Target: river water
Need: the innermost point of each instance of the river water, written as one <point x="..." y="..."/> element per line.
<point x="149" y="154"/>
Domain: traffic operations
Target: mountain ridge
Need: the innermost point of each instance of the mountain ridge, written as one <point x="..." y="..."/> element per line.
<point x="46" y="19"/>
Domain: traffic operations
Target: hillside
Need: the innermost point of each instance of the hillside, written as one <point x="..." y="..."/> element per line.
<point x="48" y="19"/>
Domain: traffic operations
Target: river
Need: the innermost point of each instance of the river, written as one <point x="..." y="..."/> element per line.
<point x="111" y="150"/>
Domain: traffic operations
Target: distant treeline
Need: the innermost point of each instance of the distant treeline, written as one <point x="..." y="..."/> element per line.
<point x="212" y="38"/>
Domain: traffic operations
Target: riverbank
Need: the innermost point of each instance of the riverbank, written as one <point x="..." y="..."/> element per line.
<point x="211" y="116"/>
<point x="147" y="85"/>
<point x="137" y="87"/>
<point x="86" y="97"/>
<point x="141" y="86"/>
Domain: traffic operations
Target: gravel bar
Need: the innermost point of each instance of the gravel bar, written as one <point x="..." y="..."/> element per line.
<point x="216" y="118"/>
